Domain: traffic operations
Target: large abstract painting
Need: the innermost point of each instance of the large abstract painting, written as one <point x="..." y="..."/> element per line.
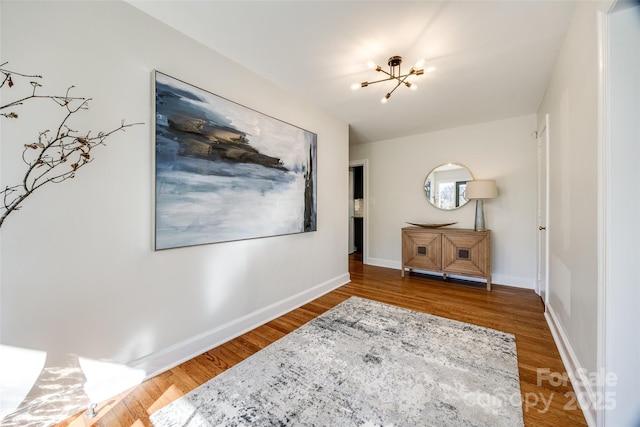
<point x="226" y="172"/>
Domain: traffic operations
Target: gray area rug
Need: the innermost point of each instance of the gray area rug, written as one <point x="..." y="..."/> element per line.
<point x="365" y="363"/>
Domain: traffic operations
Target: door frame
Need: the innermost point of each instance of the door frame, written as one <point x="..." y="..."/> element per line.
<point x="351" y="228"/>
<point x="542" y="219"/>
<point x="365" y="232"/>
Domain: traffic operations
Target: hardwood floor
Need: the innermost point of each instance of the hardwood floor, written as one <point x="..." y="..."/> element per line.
<point x="513" y="310"/>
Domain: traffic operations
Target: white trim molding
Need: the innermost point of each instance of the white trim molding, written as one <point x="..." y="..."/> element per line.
<point x="577" y="374"/>
<point x="603" y="199"/>
<point x="496" y="279"/>
<point x="156" y="363"/>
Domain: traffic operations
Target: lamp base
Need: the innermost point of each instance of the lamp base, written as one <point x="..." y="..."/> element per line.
<point x="479" y="222"/>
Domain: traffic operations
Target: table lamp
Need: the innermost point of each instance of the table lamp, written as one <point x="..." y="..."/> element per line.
<point x="479" y="190"/>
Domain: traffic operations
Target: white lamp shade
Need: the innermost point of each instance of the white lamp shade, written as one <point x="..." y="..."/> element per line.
<point x="481" y="189"/>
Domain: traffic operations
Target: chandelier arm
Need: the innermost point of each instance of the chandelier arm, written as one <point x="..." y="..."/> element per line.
<point x="393" y="90"/>
<point x="404" y="79"/>
<point x="391" y="76"/>
<point x="383" y="80"/>
<point x="401" y="79"/>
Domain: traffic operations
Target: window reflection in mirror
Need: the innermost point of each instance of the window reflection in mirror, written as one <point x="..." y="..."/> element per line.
<point x="446" y="184"/>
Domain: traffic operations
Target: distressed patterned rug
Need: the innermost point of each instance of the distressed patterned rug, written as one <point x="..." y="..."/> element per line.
<point x="365" y="363"/>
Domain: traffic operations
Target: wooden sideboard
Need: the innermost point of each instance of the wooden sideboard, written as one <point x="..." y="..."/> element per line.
<point x="448" y="251"/>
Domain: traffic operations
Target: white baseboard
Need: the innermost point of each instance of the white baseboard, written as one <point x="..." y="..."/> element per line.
<point x="380" y="262"/>
<point x="163" y="360"/>
<point x="496" y="279"/>
<point x="577" y="374"/>
<point x="513" y="281"/>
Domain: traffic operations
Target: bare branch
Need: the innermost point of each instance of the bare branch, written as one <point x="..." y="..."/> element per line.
<point x="52" y="158"/>
<point x="7" y="75"/>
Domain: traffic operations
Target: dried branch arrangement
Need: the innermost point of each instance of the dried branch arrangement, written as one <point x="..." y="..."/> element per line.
<point x="53" y="156"/>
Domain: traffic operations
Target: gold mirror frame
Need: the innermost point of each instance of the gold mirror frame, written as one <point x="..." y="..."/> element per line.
<point x="445" y="184"/>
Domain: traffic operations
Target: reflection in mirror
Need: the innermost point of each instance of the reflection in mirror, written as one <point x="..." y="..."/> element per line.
<point x="446" y="184"/>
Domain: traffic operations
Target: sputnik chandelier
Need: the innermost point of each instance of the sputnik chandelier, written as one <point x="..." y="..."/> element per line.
<point x="395" y="74"/>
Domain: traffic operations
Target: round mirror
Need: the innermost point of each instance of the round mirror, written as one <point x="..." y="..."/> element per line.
<point x="446" y="184"/>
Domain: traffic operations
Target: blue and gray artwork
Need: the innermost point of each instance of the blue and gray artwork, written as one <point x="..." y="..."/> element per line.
<point x="225" y="172"/>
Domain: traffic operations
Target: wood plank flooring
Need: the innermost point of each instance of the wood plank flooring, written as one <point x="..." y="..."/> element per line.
<point x="513" y="310"/>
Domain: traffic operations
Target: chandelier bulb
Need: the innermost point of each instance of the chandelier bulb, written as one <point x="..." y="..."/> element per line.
<point x="371" y="64"/>
<point x="385" y="98"/>
<point x="413" y="87"/>
<point x="356" y="86"/>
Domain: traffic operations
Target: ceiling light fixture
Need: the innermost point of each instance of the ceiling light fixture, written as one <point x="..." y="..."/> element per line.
<point x="395" y="73"/>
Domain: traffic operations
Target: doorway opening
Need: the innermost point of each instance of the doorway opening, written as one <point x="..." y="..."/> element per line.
<point x="356" y="211"/>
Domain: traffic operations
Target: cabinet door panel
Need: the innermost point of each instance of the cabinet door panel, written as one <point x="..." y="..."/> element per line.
<point x="465" y="253"/>
<point x="421" y="250"/>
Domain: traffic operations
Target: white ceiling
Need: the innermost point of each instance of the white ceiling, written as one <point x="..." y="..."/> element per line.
<point x="493" y="58"/>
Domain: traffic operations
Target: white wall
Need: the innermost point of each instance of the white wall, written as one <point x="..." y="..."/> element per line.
<point x="502" y="150"/>
<point x="78" y="271"/>
<point x="622" y="291"/>
<point x="571" y="99"/>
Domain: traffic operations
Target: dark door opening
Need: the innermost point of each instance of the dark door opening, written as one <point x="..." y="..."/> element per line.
<point x="358" y="200"/>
